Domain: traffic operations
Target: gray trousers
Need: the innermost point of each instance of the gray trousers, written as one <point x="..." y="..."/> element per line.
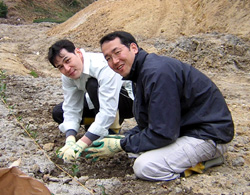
<point x="169" y="162"/>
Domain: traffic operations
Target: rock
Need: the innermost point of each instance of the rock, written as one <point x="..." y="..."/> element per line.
<point x="35" y="169"/>
<point x="238" y="162"/>
<point x="54" y="179"/>
<point x="48" y="147"/>
<point x="83" y="179"/>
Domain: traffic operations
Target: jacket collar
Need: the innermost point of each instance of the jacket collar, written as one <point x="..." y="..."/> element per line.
<point x="137" y="65"/>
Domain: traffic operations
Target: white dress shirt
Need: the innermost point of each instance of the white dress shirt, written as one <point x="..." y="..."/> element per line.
<point x="94" y="65"/>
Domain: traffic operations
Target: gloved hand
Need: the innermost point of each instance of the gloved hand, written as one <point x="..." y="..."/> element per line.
<point x="198" y="168"/>
<point x="103" y="148"/>
<point x="74" y="151"/>
<point x="70" y="141"/>
<point x="203" y="166"/>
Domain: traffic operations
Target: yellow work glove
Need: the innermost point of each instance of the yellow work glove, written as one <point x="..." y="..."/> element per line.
<point x="103" y="148"/>
<point x="198" y="168"/>
<point x="203" y="166"/>
<point x="74" y="151"/>
<point x="70" y="141"/>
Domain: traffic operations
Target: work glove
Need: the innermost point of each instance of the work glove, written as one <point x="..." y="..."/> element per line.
<point x="104" y="148"/>
<point x="70" y="141"/>
<point x="203" y="166"/>
<point x="72" y="153"/>
<point x="198" y="168"/>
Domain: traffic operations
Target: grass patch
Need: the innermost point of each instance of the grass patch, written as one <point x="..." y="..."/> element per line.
<point x="3" y="10"/>
<point x="34" y="74"/>
<point x="2" y="85"/>
<point x="52" y="20"/>
<point x="63" y="10"/>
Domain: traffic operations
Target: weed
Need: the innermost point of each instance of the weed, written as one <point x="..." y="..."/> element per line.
<point x="33" y="134"/>
<point x="49" y="20"/>
<point x="57" y="151"/>
<point x="19" y="118"/>
<point x="2" y="85"/>
<point x="75" y="169"/>
<point x="34" y="74"/>
<point x="103" y="189"/>
<point x="3" y="10"/>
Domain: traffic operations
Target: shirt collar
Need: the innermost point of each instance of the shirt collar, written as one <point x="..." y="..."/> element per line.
<point x="86" y="62"/>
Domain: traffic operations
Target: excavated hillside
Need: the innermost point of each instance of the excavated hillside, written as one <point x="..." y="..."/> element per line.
<point x="148" y="19"/>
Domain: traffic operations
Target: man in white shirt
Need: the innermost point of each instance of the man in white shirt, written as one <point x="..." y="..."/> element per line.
<point x="91" y="90"/>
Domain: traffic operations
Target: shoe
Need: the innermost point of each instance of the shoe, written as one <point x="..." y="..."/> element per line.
<point x="203" y="166"/>
<point x="214" y="162"/>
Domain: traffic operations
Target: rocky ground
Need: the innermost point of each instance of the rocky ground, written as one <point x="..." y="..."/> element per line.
<point x="28" y="131"/>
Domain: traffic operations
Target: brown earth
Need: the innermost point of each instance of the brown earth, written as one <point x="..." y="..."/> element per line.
<point x="211" y="35"/>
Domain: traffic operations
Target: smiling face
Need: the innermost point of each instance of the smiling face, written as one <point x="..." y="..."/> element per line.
<point x="70" y="64"/>
<point x="119" y="57"/>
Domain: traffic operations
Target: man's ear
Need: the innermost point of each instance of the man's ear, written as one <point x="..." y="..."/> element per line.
<point x="134" y="48"/>
<point x="77" y="51"/>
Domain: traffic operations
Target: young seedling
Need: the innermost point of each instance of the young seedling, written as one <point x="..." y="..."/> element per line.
<point x="75" y="168"/>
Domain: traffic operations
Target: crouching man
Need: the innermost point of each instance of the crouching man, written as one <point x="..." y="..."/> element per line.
<point x="94" y="95"/>
<point x="183" y="122"/>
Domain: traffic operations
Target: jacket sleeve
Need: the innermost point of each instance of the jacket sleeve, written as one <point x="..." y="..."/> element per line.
<point x="163" y="114"/>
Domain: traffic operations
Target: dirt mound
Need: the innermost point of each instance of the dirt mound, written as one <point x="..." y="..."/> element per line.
<point x="167" y="19"/>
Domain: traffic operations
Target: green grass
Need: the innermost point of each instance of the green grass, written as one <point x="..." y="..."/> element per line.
<point x="2" y="85"/>
<point x="34" y="74"/>
<point x="65" y="10"/>
<point x="3" y="10"/>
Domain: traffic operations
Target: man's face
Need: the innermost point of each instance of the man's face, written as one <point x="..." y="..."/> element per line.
<point x="70" y="64"/>
<point x="119" y="57"/>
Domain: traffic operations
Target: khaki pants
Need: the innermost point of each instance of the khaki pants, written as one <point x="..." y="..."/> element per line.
<point x="168" y="162"/>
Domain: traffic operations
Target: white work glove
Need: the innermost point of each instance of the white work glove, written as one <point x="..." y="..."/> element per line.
<point x="70" y="141"/>
<point x="72" y="153"/>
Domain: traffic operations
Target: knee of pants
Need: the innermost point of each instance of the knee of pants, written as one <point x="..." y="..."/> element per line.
<point x="151" y="171"/>
<point x="139" y="168"/>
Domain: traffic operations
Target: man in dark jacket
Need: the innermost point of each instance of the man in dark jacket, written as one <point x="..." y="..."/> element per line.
<point x="184" y="123"/>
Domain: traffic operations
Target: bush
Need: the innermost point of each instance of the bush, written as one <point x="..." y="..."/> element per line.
<point x="3" y="10"/>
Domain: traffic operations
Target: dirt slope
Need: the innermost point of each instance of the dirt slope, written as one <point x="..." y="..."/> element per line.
<point x="25" y="11"/>
<point x="146" y="19"/>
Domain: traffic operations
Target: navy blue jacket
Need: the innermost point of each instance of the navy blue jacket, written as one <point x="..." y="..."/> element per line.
<point x="173" y="99"/>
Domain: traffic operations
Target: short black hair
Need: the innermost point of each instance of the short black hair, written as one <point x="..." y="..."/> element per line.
<point x="125" y="37"/>
<point x="55" y="49"/>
